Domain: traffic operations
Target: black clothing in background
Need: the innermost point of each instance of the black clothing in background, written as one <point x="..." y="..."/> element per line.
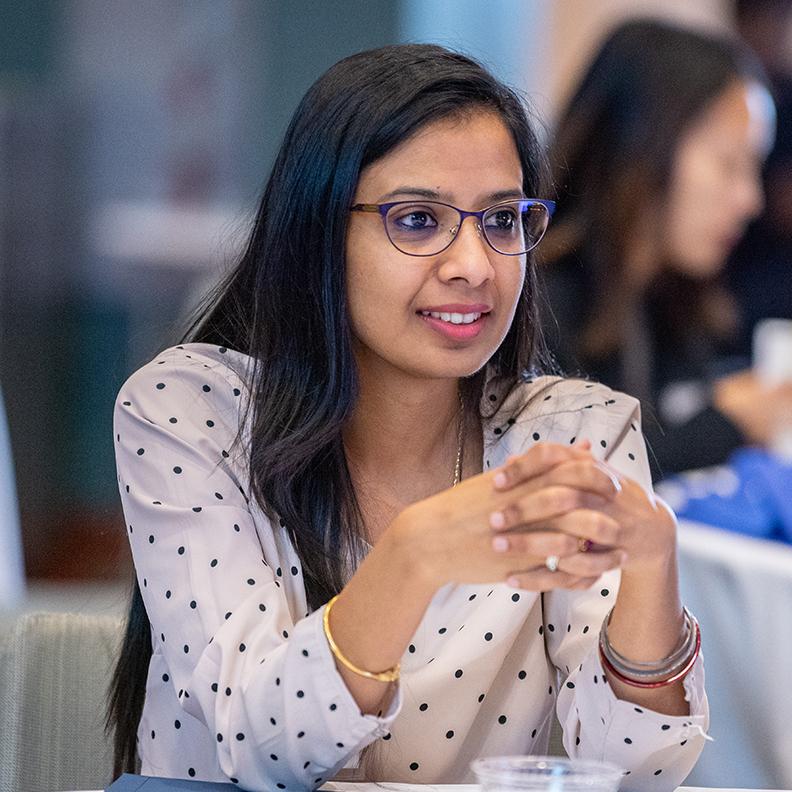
<point x="670" y="372"/>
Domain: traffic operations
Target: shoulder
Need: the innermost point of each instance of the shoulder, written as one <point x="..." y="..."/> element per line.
<point x="564" y="410"/>
<point x="200" y="368"/>
<point x="192" y="392"/>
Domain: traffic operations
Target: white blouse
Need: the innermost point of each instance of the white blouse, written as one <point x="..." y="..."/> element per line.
<point x="242" y="685"/>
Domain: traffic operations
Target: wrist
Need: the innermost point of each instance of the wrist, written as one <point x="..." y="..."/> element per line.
<point x="403" y="545"/>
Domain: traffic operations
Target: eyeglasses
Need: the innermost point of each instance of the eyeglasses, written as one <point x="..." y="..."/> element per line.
<point x="426" y="228"/>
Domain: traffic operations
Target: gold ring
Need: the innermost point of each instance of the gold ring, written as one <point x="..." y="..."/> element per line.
<point x="584" y="545"/>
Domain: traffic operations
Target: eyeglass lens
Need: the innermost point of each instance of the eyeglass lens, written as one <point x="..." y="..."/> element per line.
<point x="427" y="228"/>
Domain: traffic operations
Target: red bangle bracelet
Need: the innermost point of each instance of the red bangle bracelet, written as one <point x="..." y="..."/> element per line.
<point x="675" y="678"/>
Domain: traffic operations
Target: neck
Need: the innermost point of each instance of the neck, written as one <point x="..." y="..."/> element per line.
<point x="403" y="426"/>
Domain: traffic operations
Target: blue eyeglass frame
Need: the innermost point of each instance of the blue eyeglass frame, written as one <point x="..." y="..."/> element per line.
<point x="383" y="209"/>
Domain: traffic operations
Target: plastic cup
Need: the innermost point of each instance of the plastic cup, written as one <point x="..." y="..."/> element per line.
<point x="546" y="773"/>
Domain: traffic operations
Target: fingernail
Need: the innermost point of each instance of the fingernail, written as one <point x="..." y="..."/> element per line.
<point x="500" y="479"/>
<point x="497" y="520"/>
<point x="513" y="582"/>
<point x="500" y="543"/>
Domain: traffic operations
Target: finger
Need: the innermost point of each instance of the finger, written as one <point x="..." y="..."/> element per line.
<point x="543" y="505"/>
<point x="541" y="579"/>
<point x="539" y="459"/>
<point x="592" y="564"/>
<point x="591" y="524"/>
<point x="583" y="584"/>
<point x="535" y="545"/>
<point x="586" y="474"/>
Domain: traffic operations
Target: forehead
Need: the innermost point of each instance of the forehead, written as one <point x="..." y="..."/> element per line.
<point x="742" y="114"/>
<point x="464" y="156"/>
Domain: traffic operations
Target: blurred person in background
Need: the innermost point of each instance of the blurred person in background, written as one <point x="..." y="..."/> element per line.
<point x="657" y="162"/>
<point x="759" y="274"/>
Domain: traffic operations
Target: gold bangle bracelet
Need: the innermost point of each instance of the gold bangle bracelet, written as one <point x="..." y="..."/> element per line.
<point x="391" y="675"/>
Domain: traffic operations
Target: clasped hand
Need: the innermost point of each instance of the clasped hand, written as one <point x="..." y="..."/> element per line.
<point x="553" y="500"/>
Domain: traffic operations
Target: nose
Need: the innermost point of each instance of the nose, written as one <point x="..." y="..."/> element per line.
<point x="468" y="256"/>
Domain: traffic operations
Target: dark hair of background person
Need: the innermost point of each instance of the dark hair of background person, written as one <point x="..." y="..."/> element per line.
<point x="284" y="305"/>
<point x="612" y="159"/>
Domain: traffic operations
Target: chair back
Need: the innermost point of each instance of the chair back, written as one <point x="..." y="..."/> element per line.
<point x="54" y="674"/>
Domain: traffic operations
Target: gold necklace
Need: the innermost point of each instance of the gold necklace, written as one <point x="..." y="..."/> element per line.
<point x="458" y="464"/>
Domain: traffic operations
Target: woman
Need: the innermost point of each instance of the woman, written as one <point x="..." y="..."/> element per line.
<point x="658" y="162"/>
<point x="352" y="417"/>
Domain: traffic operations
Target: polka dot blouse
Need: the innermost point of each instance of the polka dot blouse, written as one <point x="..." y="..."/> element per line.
<point x="242" y="685"/>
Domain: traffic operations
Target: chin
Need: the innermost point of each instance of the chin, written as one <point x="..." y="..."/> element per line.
<point x="702" y="267"/>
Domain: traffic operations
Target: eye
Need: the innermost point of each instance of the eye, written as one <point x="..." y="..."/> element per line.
<point x="415" y="218"/>
<point x="502" y="220"/>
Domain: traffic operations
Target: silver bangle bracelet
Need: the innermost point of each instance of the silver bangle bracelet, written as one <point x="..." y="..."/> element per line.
<point x="657" y="670"/>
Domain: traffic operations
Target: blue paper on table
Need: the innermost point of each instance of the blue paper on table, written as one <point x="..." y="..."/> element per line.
<point x="137" y="783"/>
<point x="752" y="495"/>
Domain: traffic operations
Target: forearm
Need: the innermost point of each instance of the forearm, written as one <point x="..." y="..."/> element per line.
<point x="376" y="615"/>
<point x="646" y="625"/>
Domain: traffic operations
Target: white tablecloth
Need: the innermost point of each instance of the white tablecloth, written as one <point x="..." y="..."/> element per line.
<point x="740" y="589"/>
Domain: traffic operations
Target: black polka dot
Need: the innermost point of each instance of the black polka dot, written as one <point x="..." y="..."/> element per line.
<point x="186" y="649"/>
<point x="172" y="420"/>
<point x="533" y="734"/>
<point x="180" y="551"/>
<point x="551" y="627"/>
<point x="603" y="444"/>
<point x="665" y="727"/>
<point x="638" y="710"/>
<point x="177" y="724"/>
<point x="153" y="734"/>
<point x="213" y="562"/>
<point x="210" y="423"/>
<point x="160" y="385"/>
<point x="333" y="707"/>
<point x="305" y="653"/>
<point x="262" y="607"/>
<point x="535" y="435"/>
<point x="300" y="694"/>
<point x="251" y="582"/>
<point x="237" y="528"/>
<point x="570" y="685"/>
<point x="585" y="629"/>
<point x="191" y="772"/>
<point x="493" y="397"/>
<point x="214" y="687"/>
<point x="604" y="592"/>
<point x="285" y="634"/>
<point x="193" y="604"/>
<point x="458" y="673"/>
<point x="151" y="538"/>
<point x="196" y="509"/>
<point x="577" y="740"/>
<point x="628" y="740"/>
<point x="300" y="735"/>
<point x="414" y="765"/>
<point x="424" y="707"/>
<point x="168" y="594"/>
<point x="522" y="675"/>
<point x="219" y="737"/>
<point x="502" y="719"/>
<point x="240" y="736"/>
<point x="488" y="636"/>
<point x="206" y="389"/>
<point x="141" y="451"/>
<point x="631" y="456"/>
<point x="242" y="647"/>
<point x="227" y="616"/>
<point x="481" y="698"/>
<point x="515" y="597"/>
<point x="449" y="734"/>
<point x="165" y="677"/>
<point x="442" y="631"/>
<point x="657" y="772"/>
<point x="411" y="649"/>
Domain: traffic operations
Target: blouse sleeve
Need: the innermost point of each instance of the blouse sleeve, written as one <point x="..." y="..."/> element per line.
<point x="657" y="751"/>
<point x="260" y="676"/>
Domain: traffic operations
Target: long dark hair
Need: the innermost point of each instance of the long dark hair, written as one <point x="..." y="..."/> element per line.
<point x="612" y="155"/>
<point x="284" y="305"/>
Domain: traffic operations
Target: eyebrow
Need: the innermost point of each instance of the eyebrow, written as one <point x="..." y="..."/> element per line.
<point x="433" y="195"/>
